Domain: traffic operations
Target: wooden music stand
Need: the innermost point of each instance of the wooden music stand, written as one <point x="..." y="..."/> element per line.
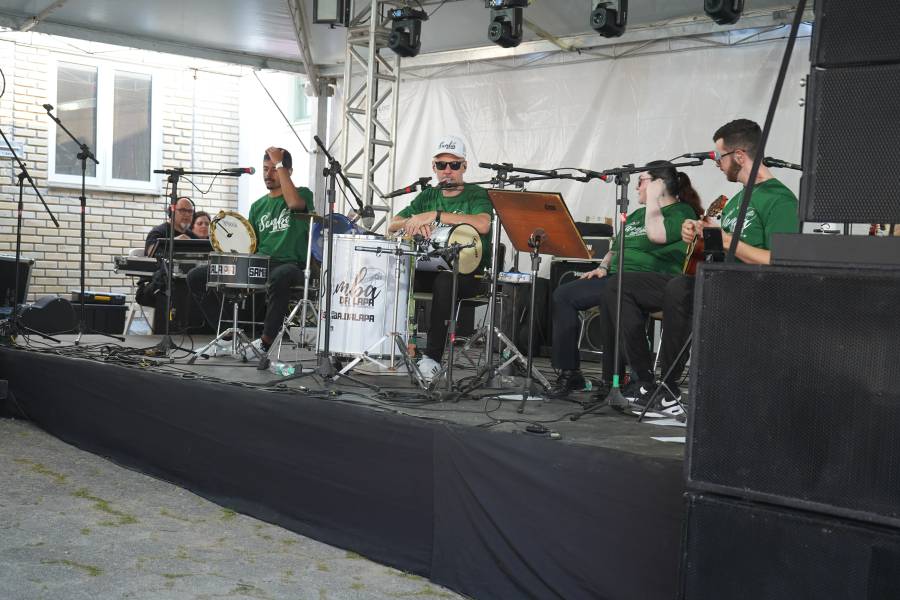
<point x="537" y="223"/>
<point x="523" y="212"/>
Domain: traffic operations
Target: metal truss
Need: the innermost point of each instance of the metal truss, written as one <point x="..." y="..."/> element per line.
<point x="371" y="88"/>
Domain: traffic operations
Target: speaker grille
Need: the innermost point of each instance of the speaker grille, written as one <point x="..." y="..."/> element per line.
<point x="795" y="388"/>
<point x="858" y="32"/>
<point x="741" y="551"/>
<point x="849" y="152"/>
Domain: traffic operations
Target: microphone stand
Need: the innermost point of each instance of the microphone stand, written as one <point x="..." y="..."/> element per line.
<point x="535" y="244"/>
<point x="622" y="175"/>
<point x="166" y="344"/>
<point x="11" y="327"/>
<point x="83" y="155"/>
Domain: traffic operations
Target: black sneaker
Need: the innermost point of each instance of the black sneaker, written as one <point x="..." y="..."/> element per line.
<point x="666" y="405"/>
<point x="568" y="381"/>
<point x="635" y="389"/>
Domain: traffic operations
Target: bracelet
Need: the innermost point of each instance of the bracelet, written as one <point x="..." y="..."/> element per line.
<point x="437" y="216"/>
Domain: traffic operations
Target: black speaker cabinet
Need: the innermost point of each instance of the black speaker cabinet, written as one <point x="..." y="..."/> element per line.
<point x="853" y="100"/>
<point x="795" y="388"/>
<point x="745" y="551"/>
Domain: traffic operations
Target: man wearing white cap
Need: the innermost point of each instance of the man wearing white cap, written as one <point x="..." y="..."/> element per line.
<point x="454" y="203"/>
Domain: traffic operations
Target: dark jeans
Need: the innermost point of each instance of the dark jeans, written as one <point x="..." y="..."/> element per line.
<point x="441" y="285"/>
<point x="282" y="276"/>
<point x="568" y="300"/>
<point x="642" y="294"/>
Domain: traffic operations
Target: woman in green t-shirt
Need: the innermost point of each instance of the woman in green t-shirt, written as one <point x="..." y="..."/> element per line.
<point x="652" y="243"/>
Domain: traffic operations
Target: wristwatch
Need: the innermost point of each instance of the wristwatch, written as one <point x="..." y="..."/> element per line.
<point x="437" y="215"/>
<point x="279" y="165"/>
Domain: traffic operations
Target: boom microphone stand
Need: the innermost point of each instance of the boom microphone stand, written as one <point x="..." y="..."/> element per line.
<point x="11" y="327"/>
<point x="622" y="175"/>
<point x="83" y="155"/>
<point x="731" y="254"/>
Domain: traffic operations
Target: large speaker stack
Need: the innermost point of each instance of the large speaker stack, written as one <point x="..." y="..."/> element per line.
<point x="793" y="456"/>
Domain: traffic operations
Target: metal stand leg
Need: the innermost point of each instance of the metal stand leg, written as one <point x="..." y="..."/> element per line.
<point x="239" y="340"/>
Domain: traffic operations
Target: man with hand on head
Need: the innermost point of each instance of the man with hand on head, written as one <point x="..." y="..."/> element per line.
<point x="453" y="203"/>
<point x="280" y="235"/>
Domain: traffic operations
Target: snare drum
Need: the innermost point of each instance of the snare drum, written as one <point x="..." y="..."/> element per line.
<point x="444" y="237"/>
<point x="238" y="271"/>
<point x="364" y="294"/>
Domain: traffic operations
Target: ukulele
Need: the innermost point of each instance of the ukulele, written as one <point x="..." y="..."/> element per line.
<point x="694" y="252"/>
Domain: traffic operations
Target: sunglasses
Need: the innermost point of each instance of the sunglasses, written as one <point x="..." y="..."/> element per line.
<point x="440" y="165"/>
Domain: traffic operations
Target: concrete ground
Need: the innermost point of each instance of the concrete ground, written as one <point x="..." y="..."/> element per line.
<point x="75" y="526"/>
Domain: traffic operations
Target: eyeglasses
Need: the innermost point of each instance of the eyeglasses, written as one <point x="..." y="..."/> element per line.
<point x="440" y="165"/>
<point x="721" y="156"/>
<point x="185" y="211"/>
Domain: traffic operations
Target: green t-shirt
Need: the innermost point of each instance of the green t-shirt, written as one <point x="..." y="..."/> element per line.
<point x="472" y="201"/>
<point x="773" y="209"/>
<point x="643" y="255"/>
<point x="280" y="236"/>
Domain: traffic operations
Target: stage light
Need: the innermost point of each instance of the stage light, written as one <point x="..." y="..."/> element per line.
<point x="406" y="30"/>
<point x="610" y="22"/>
<point x="723" y="12"/>
<point x="331" y="12"/>
<point x="506" y="21"/>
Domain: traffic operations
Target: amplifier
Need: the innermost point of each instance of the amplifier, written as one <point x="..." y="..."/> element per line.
<point x="8" y="279"/>
<point x="92" y="297"/>
<point x="794" y="388"/>
<point x="856" y="251"/>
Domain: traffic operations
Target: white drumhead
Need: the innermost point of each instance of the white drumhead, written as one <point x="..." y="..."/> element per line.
<point x="231" y="232"/>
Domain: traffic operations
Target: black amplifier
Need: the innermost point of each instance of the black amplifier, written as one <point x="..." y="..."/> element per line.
<point x="92" y="297"/>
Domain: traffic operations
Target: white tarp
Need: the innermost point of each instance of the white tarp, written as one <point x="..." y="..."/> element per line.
<point x="604" y="114"/>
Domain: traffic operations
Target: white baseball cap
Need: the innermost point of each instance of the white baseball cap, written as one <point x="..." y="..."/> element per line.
<point x="450" y="144"/>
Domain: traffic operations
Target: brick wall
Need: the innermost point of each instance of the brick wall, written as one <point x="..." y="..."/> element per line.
<point x="200" y="121"/>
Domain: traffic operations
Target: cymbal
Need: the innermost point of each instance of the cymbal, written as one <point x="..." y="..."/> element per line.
<point x="305" y="216"/>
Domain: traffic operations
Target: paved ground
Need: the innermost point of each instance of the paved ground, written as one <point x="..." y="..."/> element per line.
<point x="76" y="526"/>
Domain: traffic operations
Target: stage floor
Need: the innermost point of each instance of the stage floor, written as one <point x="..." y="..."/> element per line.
<point x="457" y="492"/>
<point x="484" y="408"/>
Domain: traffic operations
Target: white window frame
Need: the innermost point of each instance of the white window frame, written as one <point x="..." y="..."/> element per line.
<point x="103" y="180"/>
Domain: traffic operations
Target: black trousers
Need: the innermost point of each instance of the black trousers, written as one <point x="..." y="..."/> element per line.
<point x="441" y="286"/>
<point x="568" y="300"/>
<point x="642" y="294"/>
<point x="282" y="276"/>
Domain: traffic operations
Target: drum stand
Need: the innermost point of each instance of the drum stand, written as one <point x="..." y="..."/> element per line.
<point x="398" y="345"/>
<point x="239" y="340"/>
<point x="446" y="371"/>
<point x="302" y="306"/>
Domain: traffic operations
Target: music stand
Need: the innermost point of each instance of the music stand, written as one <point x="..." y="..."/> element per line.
<point x="537" y="223"/>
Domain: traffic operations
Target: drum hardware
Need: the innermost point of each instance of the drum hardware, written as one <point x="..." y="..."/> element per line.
<point x="463" y="235"/>
<point x="304" y="305"/>
<point x="238" y="275"/>
<point x="239" y="340"/>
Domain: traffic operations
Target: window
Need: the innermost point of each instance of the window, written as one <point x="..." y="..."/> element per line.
<point x="111" y="108"/>
<point x="301" y="100"/>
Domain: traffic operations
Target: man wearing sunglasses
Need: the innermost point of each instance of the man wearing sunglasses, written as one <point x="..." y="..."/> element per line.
<point x="773" y="209"/>
<point x="453" y="202"/>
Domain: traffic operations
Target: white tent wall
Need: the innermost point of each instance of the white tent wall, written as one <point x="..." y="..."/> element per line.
<point x="603" y="114"/>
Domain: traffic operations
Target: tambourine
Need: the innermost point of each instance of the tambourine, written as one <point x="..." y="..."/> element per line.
<point x="231" y="232"/>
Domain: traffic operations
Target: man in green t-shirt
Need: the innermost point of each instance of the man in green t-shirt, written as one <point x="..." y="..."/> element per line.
<point x="773" y="209"/>
<point x="454" y="203"/>
<point x="280" y="235"/>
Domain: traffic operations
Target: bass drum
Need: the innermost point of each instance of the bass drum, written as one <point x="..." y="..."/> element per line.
<point x="444" y="237"/>
<point x="231" y="232"/>
<point x="364" y="294"/>
<point x="592" y="336"/>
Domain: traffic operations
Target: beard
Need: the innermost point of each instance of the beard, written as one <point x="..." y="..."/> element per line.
<point x="732" y="173"/>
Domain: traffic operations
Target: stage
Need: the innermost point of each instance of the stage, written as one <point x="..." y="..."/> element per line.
<point x="456" y="492"/>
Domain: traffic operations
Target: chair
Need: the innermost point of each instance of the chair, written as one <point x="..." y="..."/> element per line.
<point x="135" y="306"/>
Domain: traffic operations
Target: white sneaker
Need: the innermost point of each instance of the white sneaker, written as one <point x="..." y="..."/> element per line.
<point x="428" y="367"/>
<point x="249" y="354"/>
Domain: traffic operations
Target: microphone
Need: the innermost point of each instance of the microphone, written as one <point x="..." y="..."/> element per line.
<point x="239" y="170"/>
<point x="367" y="216"/>
<point x="421" y="183"/>
<point x="48" y="107"/>
<point x="780" y="164"/>
<point x="595" y="175"/>
<point x="538" y="237"/>
<point x="708" y="155"/>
